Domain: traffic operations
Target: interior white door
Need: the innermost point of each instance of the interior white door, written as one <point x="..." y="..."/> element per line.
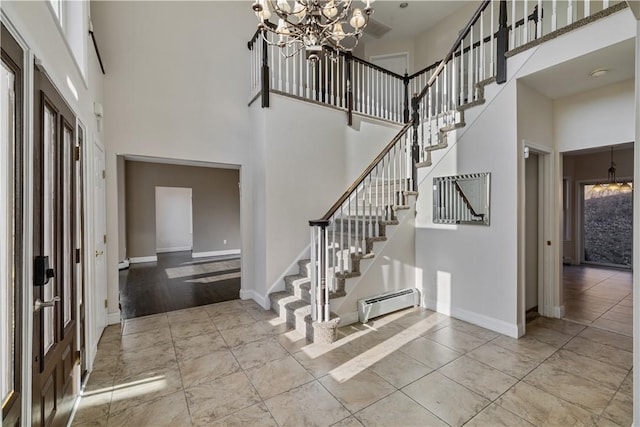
<point x="100" y="230"/>
<point x="174" y="223"/>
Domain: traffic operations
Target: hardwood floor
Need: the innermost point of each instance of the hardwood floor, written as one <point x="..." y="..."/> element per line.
<point x="177" y="282"/>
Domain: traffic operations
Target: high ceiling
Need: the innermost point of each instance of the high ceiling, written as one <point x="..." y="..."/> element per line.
<point x="418" y="16"/>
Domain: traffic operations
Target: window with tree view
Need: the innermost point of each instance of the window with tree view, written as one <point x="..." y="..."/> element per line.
<point x="607" y="225"/>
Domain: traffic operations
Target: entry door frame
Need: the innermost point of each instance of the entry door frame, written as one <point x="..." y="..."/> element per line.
<point x="549" y="232"/>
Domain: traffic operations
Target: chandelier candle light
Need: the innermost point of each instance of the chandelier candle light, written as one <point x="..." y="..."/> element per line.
<point x="313" y="25"/>
<point x="612" y="183"/>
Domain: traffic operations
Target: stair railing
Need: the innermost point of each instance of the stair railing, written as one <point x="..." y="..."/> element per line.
<point x="346" y="233"/>
<point x="533" y="19"/>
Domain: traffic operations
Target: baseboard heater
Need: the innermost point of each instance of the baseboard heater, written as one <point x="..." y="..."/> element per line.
<point x="388" y="302"/>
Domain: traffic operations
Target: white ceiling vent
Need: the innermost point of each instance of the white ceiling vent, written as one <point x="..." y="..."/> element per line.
<point x="376" y="29"/>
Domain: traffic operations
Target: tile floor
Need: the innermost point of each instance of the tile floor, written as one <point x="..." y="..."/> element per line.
<point x="600" y="297"/>
<point x="232" y="363"/>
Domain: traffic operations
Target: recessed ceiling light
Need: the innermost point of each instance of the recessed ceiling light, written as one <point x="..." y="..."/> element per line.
<point x="599" y="72"/>
<point x="403" y="5"/>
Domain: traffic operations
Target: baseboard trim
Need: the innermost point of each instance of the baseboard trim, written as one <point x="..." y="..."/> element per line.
<point x="113" y="318"/>
<point x="260" y="299"/>
<point x="215" y="253"/>
<point x="558" y="312"/>
<point x="141" y="259"/>
<point x="176" y="249"/>
<point x="502" y="327"/>
<point x="349" y="318"/>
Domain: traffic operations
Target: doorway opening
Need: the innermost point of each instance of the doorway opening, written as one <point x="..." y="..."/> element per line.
<point x="179" y="234"/>
<point x="598" y="229"/>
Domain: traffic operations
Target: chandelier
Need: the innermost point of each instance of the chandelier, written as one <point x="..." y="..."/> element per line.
<point x="612" y="183"/>
<point x="312" y="25"/>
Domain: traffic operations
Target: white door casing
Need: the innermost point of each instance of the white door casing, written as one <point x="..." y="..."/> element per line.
<point x="100" y="230"/>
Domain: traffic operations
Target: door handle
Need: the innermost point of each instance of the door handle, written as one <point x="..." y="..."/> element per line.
<point x="98" y="253"/>
<point x="41" y="304"/>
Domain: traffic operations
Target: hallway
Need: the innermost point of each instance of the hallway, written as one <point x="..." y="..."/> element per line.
<point x="177" y="282"/>
<point x="233" y="363"/>
<point x="599" y="296"/>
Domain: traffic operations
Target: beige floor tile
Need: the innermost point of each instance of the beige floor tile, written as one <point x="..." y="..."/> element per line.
<point x="620" y="409"/>
<point x="143" y="387"/>
<point x="457" y="340"/>
<point x="278" y="376"/>
<point x="208" y="367"/>
<point x="570" y="387"/>
<point x="194" y="314"/>
<point x="429" y="352"/>
<point x="275" y="326"/>
<point x="199" y="345"/>
<point x="145" y="323"/>
<point x="233" y="320"/>
<point x="560" y="325"/>
<point x="307" y="405"/>
<point x="100" y="380"/>
<point x="397" y="410"/>
<point x="351" y="421"/>
<point x="139" y="340"/>
<point x="622" y="309"/>
<point x="627" y="385"/>
<point x="528" y="346"/>
<point x="495" y="416"/>
<point x="400" y="369"/>
<point x="293" y="341"/>
<point x="606" y="422"/>
<point x="258" y="352"/>
<point x="511" y="363"/>
<point x="586" y="367"/>
<point x="609" y="338"/>
<point x="358" y="391"/>
<point x="158" y="357"/>
<point x="321" y="362"/>
<point x="476" y="331"/>
<point x="111" y="333"/>
<point x="244" y="334"/>
<point x="612" y="325"/>
<point x="603" y="353"/>
<point x="223" y="308"/>
<point x="170" y="410"/>
<point x="189" y="329"/>
<point x="582" y="315"/>
<point x="224" y="396"/>
<point x="259" y="313"/>
<point x="541" y="408"/>
<point x="478" y="377"/>
<point x="254" y="416"/>
<point x="93" y="408"/>
<point x="548" y="336"/>
<point x="435" y="392"/>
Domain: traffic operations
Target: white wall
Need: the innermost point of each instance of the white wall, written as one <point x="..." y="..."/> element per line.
<point x="174" y="219"/>
<point x="597" y="118"/>
<point x="175" y="90"/>
<point x="470" y="271"/>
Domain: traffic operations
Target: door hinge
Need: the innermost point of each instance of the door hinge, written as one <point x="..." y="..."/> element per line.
<point x="104" y="239"/>
<point x="77" y="153"/>
<point x="104" y="174"/>
<point x="78" y="256"/>
<point x="105" y="304"/>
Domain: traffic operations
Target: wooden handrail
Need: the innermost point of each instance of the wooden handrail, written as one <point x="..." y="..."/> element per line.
<point x="379" y="68"/>
<point x="363" y="175"/>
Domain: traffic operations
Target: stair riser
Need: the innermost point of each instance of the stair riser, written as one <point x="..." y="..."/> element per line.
<point x="300" y="290"/>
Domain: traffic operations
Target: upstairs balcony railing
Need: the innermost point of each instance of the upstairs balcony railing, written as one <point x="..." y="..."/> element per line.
<point x="428" y="102"/>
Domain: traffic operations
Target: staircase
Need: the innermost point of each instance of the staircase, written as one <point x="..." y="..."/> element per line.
<point x="356" y="226"/>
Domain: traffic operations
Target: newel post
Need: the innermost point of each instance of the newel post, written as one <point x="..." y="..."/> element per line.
<point x="349" y="94"/>
<point x="406" y="97"/>
<point x="265" y="73"/>
<point x="502" y="44"/>
<point x="415" y="145"/>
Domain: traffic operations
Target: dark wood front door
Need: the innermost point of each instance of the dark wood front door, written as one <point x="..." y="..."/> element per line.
<point x="11" y="231"/>
<point x="54" y="236"/>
